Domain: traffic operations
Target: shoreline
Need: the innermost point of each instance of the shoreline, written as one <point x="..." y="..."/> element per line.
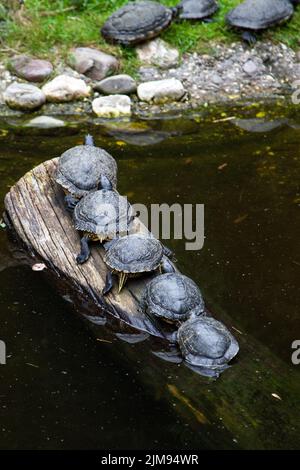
<point x="229" y="75"/>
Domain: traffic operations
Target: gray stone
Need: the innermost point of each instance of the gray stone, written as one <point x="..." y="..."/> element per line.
<point x="24" y="96"/>
<point x="65" y="88"/>
<point x="112" y="106"/>
<point x="161" y="91"/>
<point x="31" y="69"/>
<point x="93" y="63"/>
<point x="157" y="52"/>
<point x="250" y="67"/>
<point x="118" y="84"/>
<point x="45" y="122"/>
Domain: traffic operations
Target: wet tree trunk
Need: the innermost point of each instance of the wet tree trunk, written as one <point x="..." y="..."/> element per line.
<point x="253" y="404"/>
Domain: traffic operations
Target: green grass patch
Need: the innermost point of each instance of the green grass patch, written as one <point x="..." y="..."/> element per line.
<point x="51" y="28"/>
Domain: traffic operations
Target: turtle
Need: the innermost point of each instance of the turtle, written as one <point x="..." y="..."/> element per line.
<point x="83" y="169"/>
<point x="198" y="9"/>
<point x="206" y="343"/>
<point x="101" y="215"/>
<point x="172" y="297"/>
<point x="133" y="255"/>
<point x="256" y="15"/>
<point x="137" y="22"/>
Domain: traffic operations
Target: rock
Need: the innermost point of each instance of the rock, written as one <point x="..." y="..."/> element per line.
<point x="45" y="122"/>
<point x="112" y="106"/>
<point x="23" y="96"/>
<point x="157" y="52"/>
<point x="250" y="67"/>
<point x="118" y="84"/>
<point x="92" y="62"/>
<point x="161" y="91"/>
<point x="64" y="88"/>
<point x="31" y="69"/>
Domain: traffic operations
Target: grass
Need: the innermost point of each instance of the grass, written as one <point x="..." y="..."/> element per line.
<point x="44" y="35"/>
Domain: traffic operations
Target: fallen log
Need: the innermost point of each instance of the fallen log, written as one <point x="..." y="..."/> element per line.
<point x="36" y="210"/>
<point x="253" y="405"/>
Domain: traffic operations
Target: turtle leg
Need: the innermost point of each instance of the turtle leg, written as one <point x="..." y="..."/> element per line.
<point x="70" y="202"/>
<point x="84" y="250"/>
<point x="249" y="37"/>
<point x="208" y="20"/>
<point x="105" y="183"/>
<point x="109" y="243"/>
<point x="169" y="253"/>
<point x="109" y="282"/>
<point x="166" y="266"/>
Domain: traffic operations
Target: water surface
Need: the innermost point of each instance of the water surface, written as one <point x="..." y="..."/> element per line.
<point x="62" y="389"/>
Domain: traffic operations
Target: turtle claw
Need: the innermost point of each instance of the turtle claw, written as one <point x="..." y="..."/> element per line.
<point x="70" y="203"/>
<point x="84" y="251"/>
<point x="108" y="284"/>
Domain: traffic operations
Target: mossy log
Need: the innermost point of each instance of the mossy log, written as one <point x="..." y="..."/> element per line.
<point x="254" y="405"/>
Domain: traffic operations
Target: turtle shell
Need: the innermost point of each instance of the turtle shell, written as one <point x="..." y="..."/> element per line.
<point x="137" y="22"/>
<point x="134" y="254"/>
<point x="173" y="296"/>
<point x="205" y="342"/>
<point x="80" y="168"/>
<point x="260" y="14"/>
<point x="103" y="213"/>
<point x="197" y="9"/>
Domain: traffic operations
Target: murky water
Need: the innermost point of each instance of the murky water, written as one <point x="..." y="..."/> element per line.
<point x="63" y="389"/>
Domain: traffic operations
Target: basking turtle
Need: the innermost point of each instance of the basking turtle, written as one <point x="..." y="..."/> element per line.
<point x="172" y="297"/>
<point x="198" y="9"/>
<point x="137" y="22"/>
<point x="206" y="343"/>
<point x="257" y="15"/>
<point x="133" y="255"/>
<point x="101" y="215"/>
<point x="83" y="169"/>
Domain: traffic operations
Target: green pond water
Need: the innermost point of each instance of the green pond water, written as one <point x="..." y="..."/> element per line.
<point x="62" y="389"/>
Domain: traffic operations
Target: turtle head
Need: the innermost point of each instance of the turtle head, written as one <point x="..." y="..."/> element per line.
<point x="89" y="140"/>
<point x="177" y="10"/>
<point x="105" y="183"/>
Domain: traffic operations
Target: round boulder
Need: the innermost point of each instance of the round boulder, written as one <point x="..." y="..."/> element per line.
<point x="24" y="96"/>
<point x="93" y="63"/>
<point x="31" y="69"/>
<point x="116" y="85"/>
<point x="65" y="88"/>
<point x="161" y="91"/>
<point x="112" y="106"/>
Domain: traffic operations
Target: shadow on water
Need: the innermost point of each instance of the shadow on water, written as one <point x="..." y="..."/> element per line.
<point x="62" y="389"/>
